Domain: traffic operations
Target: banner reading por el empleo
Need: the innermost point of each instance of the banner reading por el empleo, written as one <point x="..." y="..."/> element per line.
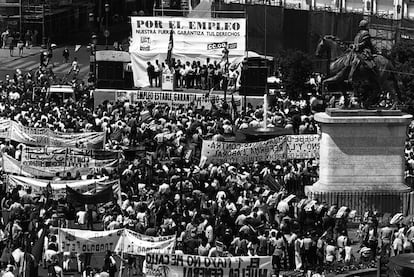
<point x="194" y="39"/>
<point x="172" y="265"/>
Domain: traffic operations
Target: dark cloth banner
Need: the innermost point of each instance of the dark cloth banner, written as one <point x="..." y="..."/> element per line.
<point x="103" y="196"/>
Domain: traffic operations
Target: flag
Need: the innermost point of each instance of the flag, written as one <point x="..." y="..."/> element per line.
<point x="170" y="48"/>
<point x="77" y="47"/>
<point x="145" y="116"/>
<point x="37" y="249"/>
<point x="270" y="181"/>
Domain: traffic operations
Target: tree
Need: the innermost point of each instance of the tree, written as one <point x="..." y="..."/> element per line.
<point x="402" y="54"/>
<point x="296" y="68"/>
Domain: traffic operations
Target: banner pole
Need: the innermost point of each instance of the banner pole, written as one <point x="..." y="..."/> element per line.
<point x="122" y="256"/>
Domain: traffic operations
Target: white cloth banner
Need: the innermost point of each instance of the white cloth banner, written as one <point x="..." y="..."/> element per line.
<point x="173" y="98"/>
<point x="58" y="159"/>
<point x="86" y="241"/>
<point x="45" y="137"/>
<point x="120" y="240"/>
<point x="13" y="166"/>
<point x="188" y="265"/>
<point x="58" y="187"/>
<point x="193" y="39"/>
<point x="303" y="146"/>
<point x="241" y="153"/>
<point x="137" y="244"/>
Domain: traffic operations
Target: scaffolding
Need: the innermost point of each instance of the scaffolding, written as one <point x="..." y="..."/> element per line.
<point x="36" y="13"/>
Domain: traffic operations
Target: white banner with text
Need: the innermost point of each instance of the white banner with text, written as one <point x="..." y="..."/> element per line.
<point x="191" y="39"/>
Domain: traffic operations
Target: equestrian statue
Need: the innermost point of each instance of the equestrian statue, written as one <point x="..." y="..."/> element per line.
<point x="372" y="76"/>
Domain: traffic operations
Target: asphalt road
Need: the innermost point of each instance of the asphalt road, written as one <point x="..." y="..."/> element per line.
<point x="30" y="61"/>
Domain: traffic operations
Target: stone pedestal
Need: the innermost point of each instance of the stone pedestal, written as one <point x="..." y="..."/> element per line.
<point x="362" y="151"/>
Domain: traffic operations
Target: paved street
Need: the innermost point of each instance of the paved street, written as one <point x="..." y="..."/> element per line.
<point x="31" y="60"/>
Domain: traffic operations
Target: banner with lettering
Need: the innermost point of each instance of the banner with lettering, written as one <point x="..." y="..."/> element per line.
<point x="303" y="146"/>
<point x="58" y="187"/>
<point x="280" y="148"/>
<point x="13" y="166"/>
<point x="45" y="137"/>
<point x="120" y="240"/>
<point x="58" y="159"/>
<point x="173" y="98"/>
<point x="86" y="241"/>
<point x="241" y="153"/>
<point x="164" y="265"/>
<point x="193" y="39"/>
<point x="137" y="244"/>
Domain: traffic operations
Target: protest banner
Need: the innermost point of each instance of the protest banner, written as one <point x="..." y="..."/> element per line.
<point x="121" y="240"/>
<point x="13" y="166"/>
<point x="172" y="98"/>
<point x="134" y="243"/>
<point x="57" y="159"/>
<point x="45" y="137"/>
<point x="233" y="152"/>
<point x="4" y="128"/>
<point x="194" y="39"/>
<point x="171" y="265"/>
<point x="86" y="241"/>
<point x="302" y="146"/>
<point x="104" y="196"/>
<point x="58" y="187"/>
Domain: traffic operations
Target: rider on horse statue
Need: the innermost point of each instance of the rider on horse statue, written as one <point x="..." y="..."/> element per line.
<point x="363" y="50"/>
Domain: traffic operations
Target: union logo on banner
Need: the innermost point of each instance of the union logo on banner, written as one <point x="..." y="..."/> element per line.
<point x="145" y="44"/>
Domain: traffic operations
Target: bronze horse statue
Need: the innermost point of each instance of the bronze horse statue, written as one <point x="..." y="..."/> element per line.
<point x="370" y="87"/>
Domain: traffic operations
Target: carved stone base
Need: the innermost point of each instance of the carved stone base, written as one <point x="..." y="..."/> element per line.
<point x="362" y="150"/>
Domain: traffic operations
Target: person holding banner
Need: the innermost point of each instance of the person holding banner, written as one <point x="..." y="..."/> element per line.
<point x="110" y="264"/>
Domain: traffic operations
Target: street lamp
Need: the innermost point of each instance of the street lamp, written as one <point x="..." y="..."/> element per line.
<point x="106" y="23"/>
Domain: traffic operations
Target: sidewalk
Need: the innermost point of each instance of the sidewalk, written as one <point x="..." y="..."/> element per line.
<point x="27" y="52"/>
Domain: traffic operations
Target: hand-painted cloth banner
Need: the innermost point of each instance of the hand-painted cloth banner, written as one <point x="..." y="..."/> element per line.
<point x="39" y="186"/>
<point x="58" y="159"/>
<point x="86" y="241"/>
<point x="303" y="146"/>
<point x="137" y="244"/>
<point x="189" y="266"/>
<point x="46" y="137"/>
<point x="58" y="187"/>
<point x="241" y="153"/>
<point x="103" y="196"/>
<point x="280" y="148"/>
<point x="13" y="166"/>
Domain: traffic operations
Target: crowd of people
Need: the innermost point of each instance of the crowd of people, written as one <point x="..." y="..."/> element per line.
<point x="213" y="209"/>
<point x="195" y="75"/>
<point x="12" y="40"/>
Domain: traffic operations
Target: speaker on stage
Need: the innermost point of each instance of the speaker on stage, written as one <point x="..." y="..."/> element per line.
<point x="253" y="80"/>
